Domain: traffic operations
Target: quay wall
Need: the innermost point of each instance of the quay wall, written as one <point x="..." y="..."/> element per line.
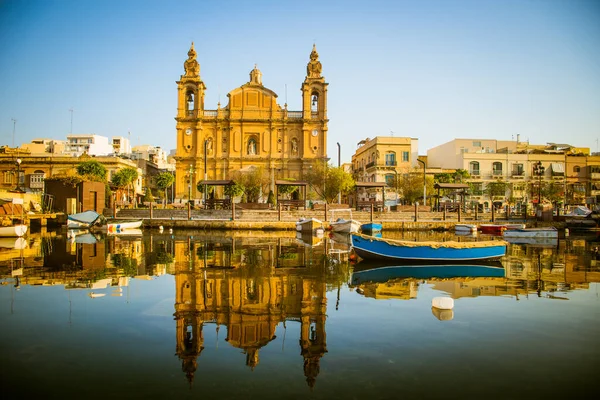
<point x="286" y="220"/>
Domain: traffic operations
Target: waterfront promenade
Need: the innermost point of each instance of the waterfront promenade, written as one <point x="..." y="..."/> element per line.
<point x="286" y="220"/>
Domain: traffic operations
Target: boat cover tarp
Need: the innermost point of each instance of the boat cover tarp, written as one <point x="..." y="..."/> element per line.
<point x="435" y="245"/>
<point x="86" y="217"/>
<point x="579" y="211"/>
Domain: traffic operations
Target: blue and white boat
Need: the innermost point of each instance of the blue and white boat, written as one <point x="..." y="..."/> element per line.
<point x="371" y="227"/>
<point x="373" y="248"/>
<point x="385" y="273"/>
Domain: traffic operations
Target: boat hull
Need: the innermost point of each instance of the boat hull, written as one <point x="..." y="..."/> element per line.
<point x="308" y="225"/>
<point x="371" y="248"/>
<point x="13" y="230"/>
<point x="531" y="233"/>
<point x="345" y="226"/>
<point x="116" y="227"/>
<point x="465" y="228"/>
<point x="371" y="227"/>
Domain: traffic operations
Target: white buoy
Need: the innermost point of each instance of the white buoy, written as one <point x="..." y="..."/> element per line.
<point x="443" y="303"/>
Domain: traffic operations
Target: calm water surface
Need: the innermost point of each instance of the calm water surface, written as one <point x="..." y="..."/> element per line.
<point x="228" y="315"/>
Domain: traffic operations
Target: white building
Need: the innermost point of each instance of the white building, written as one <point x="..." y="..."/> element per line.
<point x="93" y="145"/>
<point x="153" y="154"/>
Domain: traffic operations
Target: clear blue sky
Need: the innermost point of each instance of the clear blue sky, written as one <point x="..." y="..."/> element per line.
<point x="433" y="70"/>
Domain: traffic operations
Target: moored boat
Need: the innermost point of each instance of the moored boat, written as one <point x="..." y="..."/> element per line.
<point x="342" y="225"/>
<point x="85" y="220"/>
<point x="309" y="225"/>
<point x="465" y="228"/>
<point x="371" y="227"/>
<point x="546" y="232"/>
<point x="369" y="247"/>
<point x="497" y="229"/>
<point x="122" y="226"/>
<point x="17" y="230"/>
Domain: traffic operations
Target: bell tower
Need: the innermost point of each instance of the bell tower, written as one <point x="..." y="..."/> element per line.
<point x="314" y="108"/>
<point x="190" y="107"/>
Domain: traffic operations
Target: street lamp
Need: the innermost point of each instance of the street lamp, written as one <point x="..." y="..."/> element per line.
<point x="18" y="162"/>
<point x="539" y="169"/>
<point x="339" y="164"/>
<point x="205" y="172"/>
<point x="424" y="181"/>
<point x="190" y="180"/>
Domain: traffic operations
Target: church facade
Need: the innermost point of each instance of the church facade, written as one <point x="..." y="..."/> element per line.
<point x="251" y="132"/>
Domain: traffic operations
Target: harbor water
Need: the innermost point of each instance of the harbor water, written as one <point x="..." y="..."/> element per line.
<point x="274" y="315"/>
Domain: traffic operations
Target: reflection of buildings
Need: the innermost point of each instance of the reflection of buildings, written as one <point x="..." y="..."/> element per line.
<point x="249" y="286"/>
<point x="52" y="259"/>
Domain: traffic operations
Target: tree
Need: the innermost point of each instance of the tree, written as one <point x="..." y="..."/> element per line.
<point x="410" y="185"/>
<point x="210" y="189"/>
<point x="254" y="181"/>
<point x="553" y="192"/>
<point x="234" y="190"/>
<point x="497" y="188"/>
<point x="92" y="170"/>
<point x="124" y="178"/>
<point x="328" y="181"/>
<point x="163" y="181"/>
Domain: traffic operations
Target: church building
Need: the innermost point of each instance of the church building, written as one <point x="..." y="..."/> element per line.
<point x="251" y="132"/>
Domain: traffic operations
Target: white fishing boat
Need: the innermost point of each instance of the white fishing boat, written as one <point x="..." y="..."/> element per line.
<point x="17" y="230"/>
<point x="465" y="228"/>
<point x="309" y="225"/>
<point x="547" y="232"/>
<point x="344" y="225"/>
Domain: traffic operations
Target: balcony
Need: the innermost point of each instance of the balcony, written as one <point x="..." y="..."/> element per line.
<point x="474" y="173"/>
<point x="497" y="173"/>
<point x="371" y="164"/>
<point x="391" y="163"/>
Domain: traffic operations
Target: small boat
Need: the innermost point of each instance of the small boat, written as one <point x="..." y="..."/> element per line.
<point x="17" y="230"/>
<point x="126" y="232"/>
<point x="385" y="273"/>
<point x="369" y="247"/>
<point x="549" y="232"/>
<point x="309" y="225"/>
<point x="344" y="225"/>
<point x="123" y="226"/>
<point x="465" y="228"/>
<point x="85" y="220"/>
<point x="371" y="227"/>
<point x="497" y="229"/>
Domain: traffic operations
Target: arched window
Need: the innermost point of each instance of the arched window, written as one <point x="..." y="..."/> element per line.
<point x="497" y="168"/>
<point x="189" y="100"/>
<point x="314" y="102"/>
<point x="474" y="168"/>
<point x="390" y="159"/>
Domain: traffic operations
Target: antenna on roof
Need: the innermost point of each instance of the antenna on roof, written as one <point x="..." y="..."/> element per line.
<point x="392" y="132"/>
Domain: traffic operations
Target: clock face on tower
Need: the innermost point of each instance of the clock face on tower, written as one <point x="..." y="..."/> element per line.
<point x="188" y="131"/>
<point x="315" y="132"/>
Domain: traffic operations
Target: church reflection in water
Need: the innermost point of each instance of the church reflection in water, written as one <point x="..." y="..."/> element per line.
<point x="250" y="285"/>
<point x="251" y="282"/>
